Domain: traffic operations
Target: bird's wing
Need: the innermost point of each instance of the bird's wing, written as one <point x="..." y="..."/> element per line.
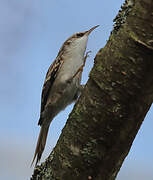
<point x="49" y="80"/>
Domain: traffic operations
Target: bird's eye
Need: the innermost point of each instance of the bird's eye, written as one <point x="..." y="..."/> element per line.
<point x="80" y="34"/>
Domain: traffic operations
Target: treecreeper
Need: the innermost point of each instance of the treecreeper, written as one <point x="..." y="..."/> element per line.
<point x="62" y="84"/>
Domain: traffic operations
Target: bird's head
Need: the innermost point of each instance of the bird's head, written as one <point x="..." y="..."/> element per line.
<point x="77" y="42"/>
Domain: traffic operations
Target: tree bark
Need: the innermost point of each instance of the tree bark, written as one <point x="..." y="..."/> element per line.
<point x="104" y="122"/>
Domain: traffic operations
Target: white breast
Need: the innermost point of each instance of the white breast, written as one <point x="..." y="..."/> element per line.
<point x="73" y="59"/>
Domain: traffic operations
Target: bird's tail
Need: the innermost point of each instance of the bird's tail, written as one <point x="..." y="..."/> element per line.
<point x="40" y="144"/>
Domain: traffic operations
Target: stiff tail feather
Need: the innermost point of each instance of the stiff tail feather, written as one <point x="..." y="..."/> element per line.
<point x="40" y="144"/>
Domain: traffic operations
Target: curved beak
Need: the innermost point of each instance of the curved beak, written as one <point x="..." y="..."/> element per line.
<point x="90" y="30"/>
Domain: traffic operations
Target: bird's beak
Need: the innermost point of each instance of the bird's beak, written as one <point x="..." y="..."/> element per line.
<point x="90" y="30"/>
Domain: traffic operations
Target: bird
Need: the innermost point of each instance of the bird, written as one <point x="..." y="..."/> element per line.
<point x="62" y="84"/>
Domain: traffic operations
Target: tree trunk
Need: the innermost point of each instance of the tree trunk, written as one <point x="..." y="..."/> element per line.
<point x="104" y="122"/>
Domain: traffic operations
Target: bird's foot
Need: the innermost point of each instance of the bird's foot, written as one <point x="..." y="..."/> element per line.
<point x="80" y="70"/>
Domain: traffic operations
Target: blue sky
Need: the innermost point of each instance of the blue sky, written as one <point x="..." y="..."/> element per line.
<point x="31" y="33"/>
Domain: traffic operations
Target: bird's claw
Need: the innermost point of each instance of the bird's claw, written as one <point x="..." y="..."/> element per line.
<point x="87" y="53"/>
<point x="86" y="56"/>
<point x="84" y="61"/>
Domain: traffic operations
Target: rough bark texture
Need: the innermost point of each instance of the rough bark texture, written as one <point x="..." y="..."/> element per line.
<point x="103" y="124"/>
